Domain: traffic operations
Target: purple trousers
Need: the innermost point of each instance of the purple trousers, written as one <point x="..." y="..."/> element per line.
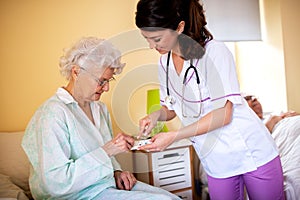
<point x="265" y="183"/>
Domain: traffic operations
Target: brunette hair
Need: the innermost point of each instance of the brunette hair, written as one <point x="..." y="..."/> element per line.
<point x="152" y="15"/>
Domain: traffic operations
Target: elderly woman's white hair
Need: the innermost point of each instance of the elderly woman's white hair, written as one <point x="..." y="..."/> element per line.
<point x="91" y="52"/>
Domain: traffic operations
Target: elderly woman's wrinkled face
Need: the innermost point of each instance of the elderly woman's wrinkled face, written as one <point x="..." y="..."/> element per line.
<point x="92" y="83"/>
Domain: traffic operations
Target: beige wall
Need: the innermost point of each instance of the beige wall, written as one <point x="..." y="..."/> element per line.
<point x="291" y="32"/>
<point x="270" y="68"/>
<point x="261" y="63"/>
<point x="33" y="34"/>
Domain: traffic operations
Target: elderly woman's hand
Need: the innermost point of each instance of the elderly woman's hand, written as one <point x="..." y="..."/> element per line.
<point x="124" y="180"/>
<point x="121" y="143"/>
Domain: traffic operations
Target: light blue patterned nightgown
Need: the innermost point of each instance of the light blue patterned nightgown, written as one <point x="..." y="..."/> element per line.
<point x="64" y="149"/>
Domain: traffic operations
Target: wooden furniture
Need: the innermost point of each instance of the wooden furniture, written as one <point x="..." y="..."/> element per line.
<point x="171" y="169"/>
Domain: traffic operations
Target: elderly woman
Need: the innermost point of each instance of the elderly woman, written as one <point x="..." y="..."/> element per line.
<point x="69" y="139"/>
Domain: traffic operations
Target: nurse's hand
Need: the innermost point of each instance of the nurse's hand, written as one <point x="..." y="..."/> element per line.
<point x="124" y="180"/>
<point x="121" y="143"/>
<point x="147" y="124"/>
<point x="160" y="142"/>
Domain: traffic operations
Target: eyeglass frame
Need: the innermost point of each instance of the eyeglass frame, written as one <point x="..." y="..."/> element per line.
<point x="100" y="83"/>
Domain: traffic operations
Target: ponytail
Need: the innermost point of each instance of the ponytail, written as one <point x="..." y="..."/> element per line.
<point x="196" y="35"/>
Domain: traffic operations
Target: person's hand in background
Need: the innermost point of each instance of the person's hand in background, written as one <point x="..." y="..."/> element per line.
<point x="274" y="119"/>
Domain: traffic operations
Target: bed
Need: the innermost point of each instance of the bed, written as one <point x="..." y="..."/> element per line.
<point x="287" y="137"/>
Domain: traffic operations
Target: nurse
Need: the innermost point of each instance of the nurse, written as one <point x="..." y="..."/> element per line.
<point x="198" y="83"/>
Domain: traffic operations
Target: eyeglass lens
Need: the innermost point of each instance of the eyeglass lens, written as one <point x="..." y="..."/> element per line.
<point x="100" y="83"/>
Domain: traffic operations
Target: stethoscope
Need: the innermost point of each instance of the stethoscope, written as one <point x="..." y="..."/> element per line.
<point x="170" y="100"/>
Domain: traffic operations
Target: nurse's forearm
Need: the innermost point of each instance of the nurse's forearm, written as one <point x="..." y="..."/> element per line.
<point x="213" y="120"/>
<point x="165" y="114"/>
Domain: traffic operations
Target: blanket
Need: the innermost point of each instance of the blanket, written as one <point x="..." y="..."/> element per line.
<point x="287" y="137"/>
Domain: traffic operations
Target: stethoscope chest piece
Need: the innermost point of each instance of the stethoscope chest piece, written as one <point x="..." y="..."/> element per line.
<point x="169" y="100"/>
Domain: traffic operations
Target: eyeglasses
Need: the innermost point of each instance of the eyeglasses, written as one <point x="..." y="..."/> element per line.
<point x="250" y="98"/>
<point x="100" y="83"/>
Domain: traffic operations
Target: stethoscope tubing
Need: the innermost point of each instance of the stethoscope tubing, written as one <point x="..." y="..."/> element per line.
<point x="185" y="75"/>
<point x="169" y="99"/>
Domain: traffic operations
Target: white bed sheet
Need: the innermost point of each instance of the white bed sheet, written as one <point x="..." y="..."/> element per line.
<point x="287" y="137"/>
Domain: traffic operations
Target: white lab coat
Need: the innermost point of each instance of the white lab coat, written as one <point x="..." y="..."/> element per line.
<point x="239" y="147"/>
